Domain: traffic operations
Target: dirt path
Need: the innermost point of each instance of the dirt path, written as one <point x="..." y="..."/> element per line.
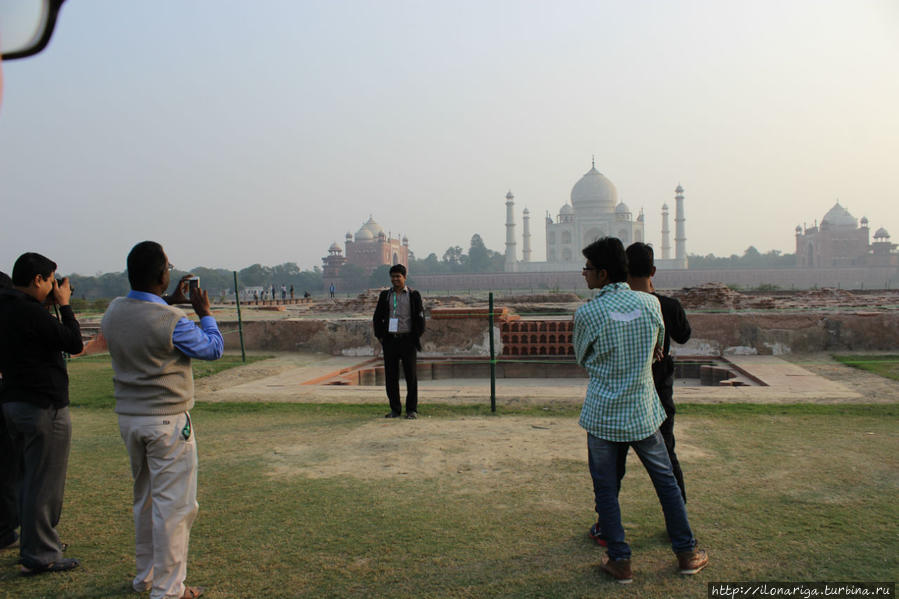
<point x="482" y="447"/>
<point x="874" y="388"/>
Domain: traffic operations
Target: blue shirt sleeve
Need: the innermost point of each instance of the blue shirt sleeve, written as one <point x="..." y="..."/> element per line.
<point x="202" y="342"/>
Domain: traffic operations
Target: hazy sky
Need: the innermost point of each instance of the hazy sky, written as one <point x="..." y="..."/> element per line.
<point x="261" y="131"/>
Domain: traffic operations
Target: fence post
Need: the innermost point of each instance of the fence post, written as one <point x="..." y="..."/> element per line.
<point x="492" y="356"/>
<point x="243" y="353"/>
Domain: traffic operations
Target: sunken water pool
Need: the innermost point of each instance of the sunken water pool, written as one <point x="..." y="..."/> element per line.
<point x="690" y="371"/>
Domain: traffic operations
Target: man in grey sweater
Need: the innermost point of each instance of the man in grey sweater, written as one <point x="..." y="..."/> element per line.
<point x="151" y="343"/>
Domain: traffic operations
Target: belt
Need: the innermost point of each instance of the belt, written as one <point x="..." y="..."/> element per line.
<point x="399" y="334"/>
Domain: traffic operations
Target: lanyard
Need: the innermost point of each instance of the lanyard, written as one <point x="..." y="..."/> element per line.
<point x="394" y="303"/>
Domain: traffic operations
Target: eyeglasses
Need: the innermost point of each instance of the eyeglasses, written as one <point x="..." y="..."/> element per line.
<point x="170" y="266"/>
<point x="26" y="27"/>
<point x="589" y="268"/>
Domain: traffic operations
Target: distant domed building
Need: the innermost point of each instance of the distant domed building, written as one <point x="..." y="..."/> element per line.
<point x="368" y="249"/>
<point x="842" y="240"/>
<point x="594" y="211"/>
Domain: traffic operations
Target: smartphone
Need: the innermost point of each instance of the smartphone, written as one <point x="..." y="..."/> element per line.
<point x="192" y="283"/>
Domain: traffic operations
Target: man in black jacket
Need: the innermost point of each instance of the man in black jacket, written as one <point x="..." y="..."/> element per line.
<point x="399" y="322"/>
<point x="641" y="269"/>
<point x="9" y="513"/>
<point x="35" y="399"/>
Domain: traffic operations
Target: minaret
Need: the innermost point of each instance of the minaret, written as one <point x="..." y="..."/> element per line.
<point x="666" y="234"/>
<point x="526" y="236"/>
<point x="680" y="231"/>
<point x="511" y="255"/>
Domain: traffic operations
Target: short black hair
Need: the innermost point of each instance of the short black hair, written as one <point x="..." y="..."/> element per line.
<point x="5" y="281"/>
<point x="146" y="263"/>
<point x="608" y="254"/>
<point x="398" y="268"/>
<point x="640" y="259"/>
<point x="28" y="266"/>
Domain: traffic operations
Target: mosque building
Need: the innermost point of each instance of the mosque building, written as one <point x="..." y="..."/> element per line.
<point x="368" y="249"/>
<point x="593" y="212"/>
<point x="841" y="240"/>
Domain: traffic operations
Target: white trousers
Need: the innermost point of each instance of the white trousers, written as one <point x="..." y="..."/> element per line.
<point x="163" y="452"/>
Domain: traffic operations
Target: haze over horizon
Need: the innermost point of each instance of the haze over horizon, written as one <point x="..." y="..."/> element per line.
<point x="237" y="133"/>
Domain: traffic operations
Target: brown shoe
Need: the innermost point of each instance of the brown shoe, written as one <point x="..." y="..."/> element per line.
<point x="691" y="562"/>
<point x="192" y="592"/>
<point x="619" y="569"/>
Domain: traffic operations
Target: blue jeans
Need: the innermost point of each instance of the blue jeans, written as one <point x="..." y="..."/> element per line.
<point x="603" y="459"/>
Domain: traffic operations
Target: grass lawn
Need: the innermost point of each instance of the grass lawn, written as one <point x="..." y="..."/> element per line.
<point x="776" y="493"/>
<point x="884" y="365"/>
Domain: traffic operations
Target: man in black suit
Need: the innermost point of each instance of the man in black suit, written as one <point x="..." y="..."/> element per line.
<point x="641" y="269"/>
<point x="399" y="322"/>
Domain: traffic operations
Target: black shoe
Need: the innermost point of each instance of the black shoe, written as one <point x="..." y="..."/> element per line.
<point x="392" y="415"/>
<point x="59" y="566"/>
<point x="411" y="415"/>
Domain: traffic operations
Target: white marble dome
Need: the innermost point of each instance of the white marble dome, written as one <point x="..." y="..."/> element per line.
<point x="622" y="208"/>
<point x="594" y="193"/>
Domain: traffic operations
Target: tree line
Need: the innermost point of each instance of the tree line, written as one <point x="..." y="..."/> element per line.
<point x="215" y="280"/>
<point x="751" y="258"/>
<point x="455" y="260"/>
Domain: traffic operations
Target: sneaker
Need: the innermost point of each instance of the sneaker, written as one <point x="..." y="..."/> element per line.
<point x="619" y="569"/>
<point x="411" y="415"/>
<point x="392" y="415"/>
<point x="691" y="562"/>
<point x="596" y="535"/>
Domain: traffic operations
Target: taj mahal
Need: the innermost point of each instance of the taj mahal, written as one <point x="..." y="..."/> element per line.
<point x="593" y="212"/>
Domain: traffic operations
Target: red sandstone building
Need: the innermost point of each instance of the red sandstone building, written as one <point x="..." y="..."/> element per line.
<point x="839" y="241"/>
<point x="370" y="248"/>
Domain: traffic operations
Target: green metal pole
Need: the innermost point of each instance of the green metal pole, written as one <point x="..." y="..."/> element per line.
<point x="492" y="358"/>
<point x="243" y="353"/>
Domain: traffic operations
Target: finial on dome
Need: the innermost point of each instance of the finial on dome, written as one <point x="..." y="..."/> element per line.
<point x="593" y="162"/>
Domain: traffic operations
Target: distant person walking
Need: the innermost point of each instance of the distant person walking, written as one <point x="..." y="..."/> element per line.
<point x="331" y="290"/>
<point x="399" y="322"/>
<point x="641" y="269"/>
<point x="291" y="292"/>
<point x="283" y="292"/>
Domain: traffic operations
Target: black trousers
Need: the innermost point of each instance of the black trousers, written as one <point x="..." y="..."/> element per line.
<point x="398" y="349"/>
<point x="42" y="436"/>
<point x="10" y="475"/>
<point x="666" y="396"/>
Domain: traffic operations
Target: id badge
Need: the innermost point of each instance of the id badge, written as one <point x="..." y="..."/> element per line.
<point x="393" y="325"/>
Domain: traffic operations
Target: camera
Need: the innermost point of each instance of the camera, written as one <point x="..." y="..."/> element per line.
<point x="59" y="284"/>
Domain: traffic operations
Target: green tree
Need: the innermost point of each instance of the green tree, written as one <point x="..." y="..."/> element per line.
<point x="453" y="256"/>
<point x="478" y="255"/>
<point x="379" y="277"/>
<point x="353" y="277"/>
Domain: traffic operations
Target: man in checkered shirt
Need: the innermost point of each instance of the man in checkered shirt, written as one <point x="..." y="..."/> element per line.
<point x="617" y="335"/>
